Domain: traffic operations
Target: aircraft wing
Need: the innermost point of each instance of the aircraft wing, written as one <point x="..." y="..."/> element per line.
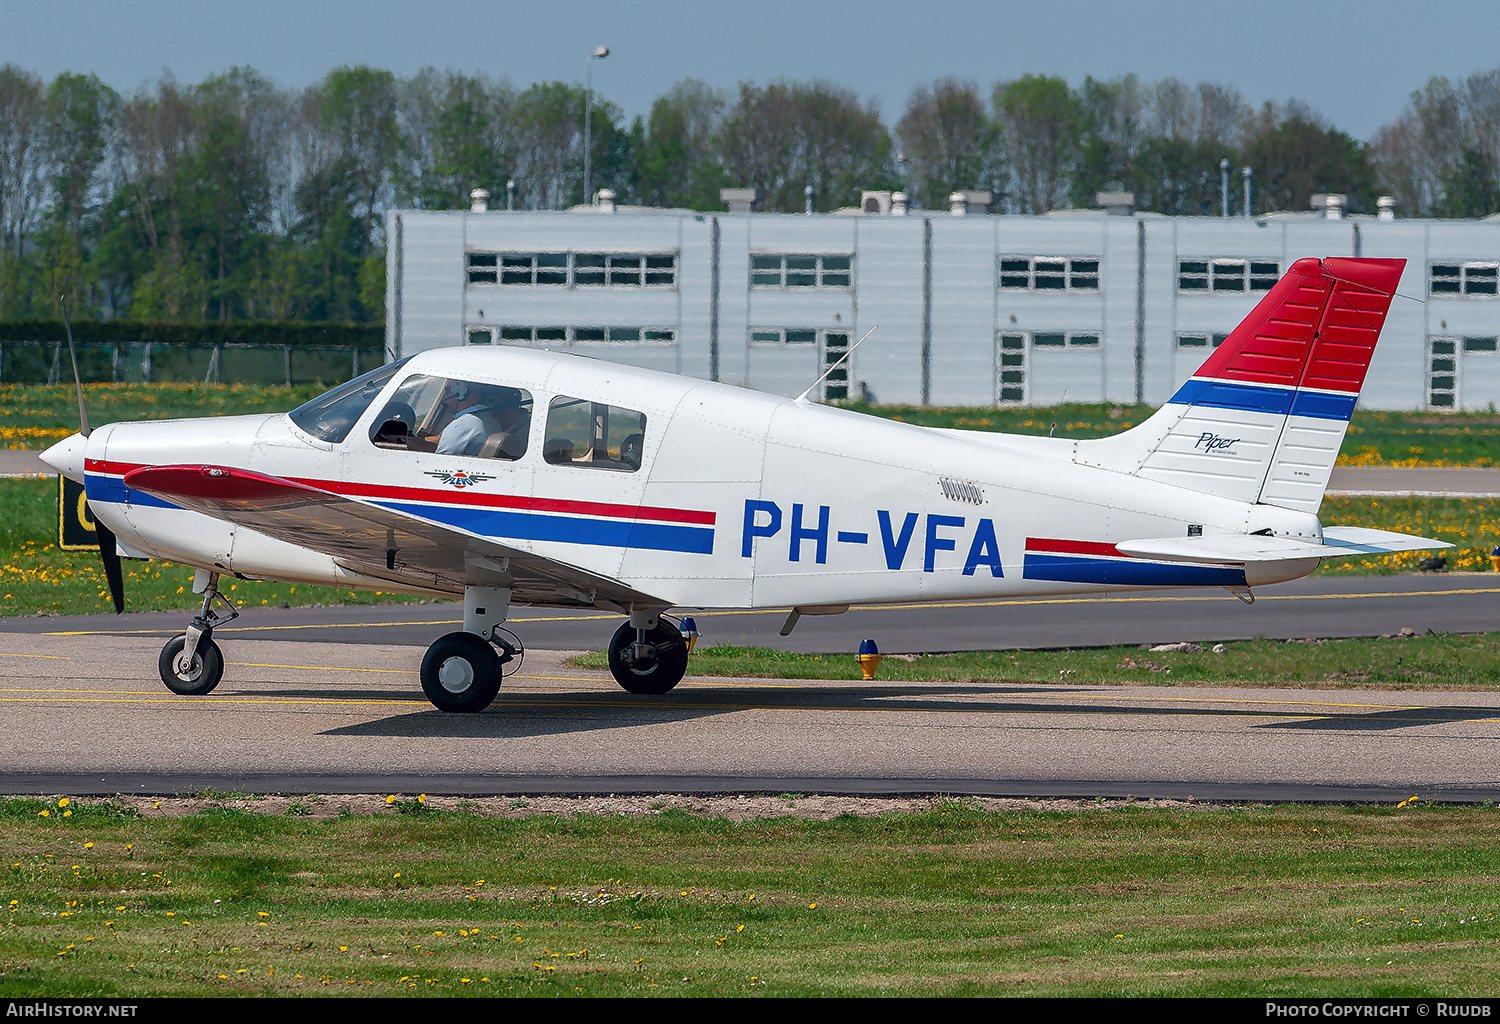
<point x="1237" y="549"/>
<point x="371" y="540"/>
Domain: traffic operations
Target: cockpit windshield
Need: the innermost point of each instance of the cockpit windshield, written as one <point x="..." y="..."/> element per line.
<point x="331" y="415"/>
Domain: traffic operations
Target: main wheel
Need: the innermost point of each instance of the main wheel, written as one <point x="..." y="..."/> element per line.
<point x="654" y="666"/>
<point x="191" y="680"/>
<point x="461" y="673"/>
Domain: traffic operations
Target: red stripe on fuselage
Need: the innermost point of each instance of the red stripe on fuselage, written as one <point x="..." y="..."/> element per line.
<point x="1044" y="545"/>
<point x="468" y="497"/>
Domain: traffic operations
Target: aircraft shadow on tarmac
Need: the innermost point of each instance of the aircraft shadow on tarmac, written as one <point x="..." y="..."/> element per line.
<point x="1393" y="718"/>
<point x="518" y="713"/>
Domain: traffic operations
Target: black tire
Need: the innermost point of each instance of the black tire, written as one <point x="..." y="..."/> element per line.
<point x="203" y="675"/>
<point x="461" y="673"/>
<point x="655" y="674"/>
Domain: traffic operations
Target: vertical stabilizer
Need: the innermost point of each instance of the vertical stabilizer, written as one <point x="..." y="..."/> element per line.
<point x="1263" y="418"/>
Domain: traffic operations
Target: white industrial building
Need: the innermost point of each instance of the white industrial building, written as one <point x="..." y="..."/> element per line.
<point x="971" y="309"/>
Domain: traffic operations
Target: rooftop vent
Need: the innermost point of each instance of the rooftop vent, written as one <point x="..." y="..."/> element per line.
<point x="479" y="200"/>
<point x="1333" y="205"/>
<point x="741" y="200"/>
<point x="1387" y="207"/>
<point x="875" y="203"/>
<point x="1117" y="201"/>
<point x="604" y="199"/>
<point x="961" y="204"/>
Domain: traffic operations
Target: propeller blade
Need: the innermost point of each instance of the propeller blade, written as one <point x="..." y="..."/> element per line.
<point x="111" y="559"/>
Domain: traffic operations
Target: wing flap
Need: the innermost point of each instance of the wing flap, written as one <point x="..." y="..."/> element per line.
<point x="377" y="542"/>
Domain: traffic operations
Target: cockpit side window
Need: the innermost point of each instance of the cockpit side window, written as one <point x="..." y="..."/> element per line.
<point x="455" y="417"/>
<point x="593" y="434"/>
<point x="331" y="415"/>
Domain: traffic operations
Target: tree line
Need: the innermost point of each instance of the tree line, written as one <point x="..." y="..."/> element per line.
<point x="234" y="199"/>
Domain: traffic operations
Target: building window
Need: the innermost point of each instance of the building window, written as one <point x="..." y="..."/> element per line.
<point x="1479" y="345"/>
<point x="783" y="336"/>
<point x="1057" y="339"/>
<point x="1227" y="275"/>
<point x="1200" y="341"/>
<point x="1010" y="369"/>
<point x="1464" y="278"/>
<point x="581" y="335"/>
<point x="1442" y="373"/>
<point x="483" y="268"/>
<point x="1048" y="274"/>
<point x="574" y="269"/>
<point x="783" y="270"/>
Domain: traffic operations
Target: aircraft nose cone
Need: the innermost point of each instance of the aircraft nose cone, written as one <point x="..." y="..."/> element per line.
<point x="66" y="456"/>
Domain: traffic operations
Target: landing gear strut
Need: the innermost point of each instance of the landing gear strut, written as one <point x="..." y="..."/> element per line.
<point x="191" y="664"/>
<point x="462" y="671"/>
<point x="648" y="658"/>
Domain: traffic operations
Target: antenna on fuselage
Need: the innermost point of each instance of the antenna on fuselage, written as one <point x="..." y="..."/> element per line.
<point x="802" y="398"/>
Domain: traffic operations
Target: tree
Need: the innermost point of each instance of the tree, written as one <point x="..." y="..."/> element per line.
<point x="359" y="111"/>
<point x="674" y="152"/>
<point x="1040" y="122"/>
<point x="1296" y="156"/>
<point x="760" y="144"/>
<point x="947" y="139"/>
<point x="23" y="168"/>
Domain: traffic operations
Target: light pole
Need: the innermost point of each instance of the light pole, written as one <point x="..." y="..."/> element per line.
<point x="588" y="127"/>
<point x="1247" y="173"/>
<point x="1224" y="185"/>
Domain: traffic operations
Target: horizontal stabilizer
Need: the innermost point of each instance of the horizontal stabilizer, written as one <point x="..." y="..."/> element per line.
<point x="1238" y="549"/>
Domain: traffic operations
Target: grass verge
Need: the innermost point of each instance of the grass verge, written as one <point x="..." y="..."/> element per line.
<point x="35" y="415"/>
<point x="35" y="576"/>
<point x="954" y="900"/>
<point x="1433" y="662"/>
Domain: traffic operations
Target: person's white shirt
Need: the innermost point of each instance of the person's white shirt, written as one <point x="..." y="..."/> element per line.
<point x="466" y="434"/>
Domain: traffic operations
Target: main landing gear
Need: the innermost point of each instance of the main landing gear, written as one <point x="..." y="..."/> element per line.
<point x="647" y="654"/>
<point x="191" y="664"/>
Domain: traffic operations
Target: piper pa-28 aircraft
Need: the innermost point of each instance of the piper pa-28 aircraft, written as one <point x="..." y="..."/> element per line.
<point x="515" y="476"/>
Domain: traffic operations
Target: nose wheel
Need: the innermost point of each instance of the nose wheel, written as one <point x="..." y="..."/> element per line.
<point x="649" y="661"/>
<point x="191" y="664"/>
<point x="191" y="675"/>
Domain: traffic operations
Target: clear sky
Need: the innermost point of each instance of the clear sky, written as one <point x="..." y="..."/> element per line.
<point x="1355" y="63"/>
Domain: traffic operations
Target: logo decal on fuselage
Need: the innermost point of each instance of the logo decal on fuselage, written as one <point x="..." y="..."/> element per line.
<point x="1211" y="442"/>
<point x="458" y="478"/>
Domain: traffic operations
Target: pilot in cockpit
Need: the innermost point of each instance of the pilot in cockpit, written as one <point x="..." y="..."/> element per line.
<point x="485" y="416"/>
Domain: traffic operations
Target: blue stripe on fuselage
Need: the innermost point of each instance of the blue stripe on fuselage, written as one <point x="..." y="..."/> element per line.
<point x="490" y="522"/>
<point x="113" y="489"/>
<point x="1223" y="394"/>
<point x="1128" y="572"/>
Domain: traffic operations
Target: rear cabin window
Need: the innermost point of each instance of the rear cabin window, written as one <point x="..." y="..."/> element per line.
<point x="584" y="433"/>
<point x="455" y="417"/>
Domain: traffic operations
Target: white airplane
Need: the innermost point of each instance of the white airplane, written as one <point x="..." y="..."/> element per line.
<point x="510" y="476"/>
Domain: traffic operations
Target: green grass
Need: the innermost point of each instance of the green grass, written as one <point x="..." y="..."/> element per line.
<point x="956" y="900"/>
<point x="37" y="415"/>
<point x="1432" y="662"/>
<point x="37" y="577"/>
<point x="1471" y="524"/>
<point x="1374" y="438"/>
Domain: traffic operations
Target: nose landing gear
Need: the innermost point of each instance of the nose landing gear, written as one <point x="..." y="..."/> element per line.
<point x="192" y="664"/>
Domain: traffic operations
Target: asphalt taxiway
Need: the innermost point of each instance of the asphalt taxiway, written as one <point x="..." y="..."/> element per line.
<point x="88" y="715"/>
